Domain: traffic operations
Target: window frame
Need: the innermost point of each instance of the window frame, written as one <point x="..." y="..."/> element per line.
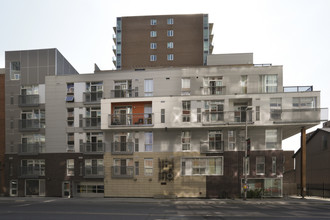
<point x="153" y="33"/>
<point x="186" y="140"/>
<point x="260" y="161"/>
<point x="153" y="21"/>
<point x="170" y="57"/>
<point x="170" y="45"/>
<point x="153" y="46"/>
<point x="148" y="168"/>
<point x="70" y="167"/>
<point x="170" y="21"/>
<point x="170" y="33"/>
<point x="186" y="111"/>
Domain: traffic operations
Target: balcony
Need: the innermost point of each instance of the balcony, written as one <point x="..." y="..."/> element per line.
<point x="131" y="120"/>
<point x="31" y="124"/>
<point x="122" y="148"/>
<point x="28" y="100"/>
<point x="125" y="172"/>
<point x="214" y="90"/>
<point x="92" y="148"/>
<point x="298" y="89"/>
<point x="227" y="117"/>
<point x="127" y="93"/>
<point x="212" y="147"/>
<point x="307" y="115"/>
<point x="32" y="171"/>
<point x="93" y="97"/>
<point x="31" y="149"/>
<point x="94" y="172"/>
<point x="92" y="123"/>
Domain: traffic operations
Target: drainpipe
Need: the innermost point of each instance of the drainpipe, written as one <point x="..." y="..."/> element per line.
<point x="303" y="162"/>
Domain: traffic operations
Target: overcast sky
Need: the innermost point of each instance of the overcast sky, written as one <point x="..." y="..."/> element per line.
<point x="292" y="33"/>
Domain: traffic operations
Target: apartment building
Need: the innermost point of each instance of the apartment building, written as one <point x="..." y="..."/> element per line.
<point x="162" y="41"/>
<point x="25" y="101"/>
<point x="157" y="132"/>
<point x="2" y="130"/>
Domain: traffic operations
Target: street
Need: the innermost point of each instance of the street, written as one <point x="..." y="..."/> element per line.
<point x="121" y="208"/>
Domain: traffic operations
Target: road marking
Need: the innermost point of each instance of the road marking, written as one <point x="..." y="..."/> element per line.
<point x="49" y="201"/>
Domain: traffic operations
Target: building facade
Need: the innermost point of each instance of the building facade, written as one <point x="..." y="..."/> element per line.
<point x="2" y="131"/>
<point x="162" y="40"/>
<point x="157" y="132"/>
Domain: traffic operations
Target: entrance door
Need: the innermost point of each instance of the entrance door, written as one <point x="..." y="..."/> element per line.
<point x="66" y="192"/>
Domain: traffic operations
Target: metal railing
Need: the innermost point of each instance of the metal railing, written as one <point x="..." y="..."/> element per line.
<point x="28" y="100"/>
<point x="122" y="148"/>
<point x="143" y="119"/>
<point x="122" y="172"/>
<point x="127" y="93"/>
<point x="31" y="149"/>
<point x="92" y="97"/>
<point x="214" y="90"/>
<point x="93" y="148"/>
<point x="92" y="123"/>
<point x="298" y="89"/>
<point x="32" y="171"/>
<point x="211" y="147"/>
<point x="31" y="124"/>
<point x="224" y="117"/>
<point x="94" y="172"/>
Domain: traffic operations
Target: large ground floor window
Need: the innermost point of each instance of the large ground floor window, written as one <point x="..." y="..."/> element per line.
<point x="268" y="187"/>
<point x="35" y="187"/>
<point x="202" y="166"/>
<point x="90" y="189"/>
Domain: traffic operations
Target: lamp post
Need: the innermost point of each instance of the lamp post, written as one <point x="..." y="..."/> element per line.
<point x="247" y="109"/>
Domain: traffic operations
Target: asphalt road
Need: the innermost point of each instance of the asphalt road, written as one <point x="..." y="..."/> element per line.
<point x="114" y="208"/>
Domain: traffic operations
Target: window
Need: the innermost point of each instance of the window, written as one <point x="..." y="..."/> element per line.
<point x="185" y="111"/>
<point x="185" y="140"/>
<point x="148" y="87"/>
<point x="148" y="141"/>
<point x="199" y="114"/>
<point x="304" y="102"/>
<point x="202" y="166"/>
<point x="273" y="165"/>
<point x="170" y="33"/>
<point x="70" y="117"/>
<point x="136" y="164"/>
<point x="213" y="86"/>
<point x="153" y="33"/>
<point x="153" y="58"/>
<point x="231" y="140"/>
<point x="33" y="167"/>
<point x="70" y="167"/>
<point x="244" y="84"/>
<point x="70" y="147"/>
<point x="185" y="86"/>
<point x="170" y="21"/>
<point x="260" y="165"/>
<point x="170" y="57"/>
<point x="87" y="188"/>
<point x="13" y="188"/>
<point x="170" y="45"/>
<point x="215" y="141"/>
<point x="275" y="108"/>
<point x="257" y="113"/>
<point x="153" y="45"/>
<point x="136" y="145"/>
<point x="70" y="88"/>
<point x="271" y="139"/>
<point x="268" y="83"/>
<point x="148" y="167"/>
<point x="153" y="21"/>
<point x="123" y="167"/>
<point x="214" y="110"/>
<point x="162" y="116"/>
<point x="15" y="70"/>
<point x="94" y="167"/>
<point x="246" y="165"/>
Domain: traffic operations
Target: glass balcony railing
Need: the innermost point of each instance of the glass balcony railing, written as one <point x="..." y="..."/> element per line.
<point x="223" y="117"/>
<point x="298" y="89"/>
<point x="122" y="172"/>
<point x="122" y="148"/>
<point x="127" y="93"/>
<point x="143" y="119"/>
<point x="214" y="90"/>
<point x="212" y="147"/>
<point x="315" y="115"/>
<point x="92" y="123"/>
<point x="31" y="148"/>
<point x="28" y="100"/>
<point x="93" y="148"/>
<point x="31" y="124"/>
<point x="32" y="171"/>
<point x="93" y="97"/>
<point x="94" y="172"/>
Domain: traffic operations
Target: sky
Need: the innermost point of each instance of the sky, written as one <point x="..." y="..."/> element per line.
<point x="292" y="33"/>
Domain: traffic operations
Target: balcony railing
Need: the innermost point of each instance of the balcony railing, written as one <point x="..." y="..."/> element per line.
<point x="28" y="100"/>
<point x="92" y="123"/>
<point x="214" y="90"/>
<point x="32" y="171"/>
<point x="122" y="148"/>
<point x="31" y="124"/>
<point x="31" y="149"/>
<point x="128" y="93"/>
<point x="212" y="147"/>
<point x="122" y="172"/>
<point x="299" y="115"/>
<point x="225" y="117"/>
<point x="298" y="89"/>
<point x="144" y="119"/>
<point x="92" y="97"/>
<point x="94" y="172"/>
<point x="93" y="148"/>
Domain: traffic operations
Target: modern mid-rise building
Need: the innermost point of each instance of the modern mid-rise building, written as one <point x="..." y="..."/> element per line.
<point x="162" y="41"/>
<point x="176" y="131"/>
<point x="2" y="130"/>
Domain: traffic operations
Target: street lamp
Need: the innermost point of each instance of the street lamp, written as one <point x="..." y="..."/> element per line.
<point x="247" y="141"/>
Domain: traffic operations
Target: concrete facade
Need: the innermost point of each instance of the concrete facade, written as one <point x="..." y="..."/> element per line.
<point x="162" y="40"/>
